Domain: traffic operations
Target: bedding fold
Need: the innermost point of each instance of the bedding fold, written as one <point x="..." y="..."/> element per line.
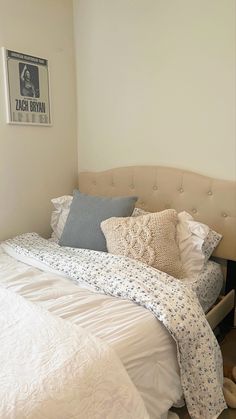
<point x="172" y="302"/>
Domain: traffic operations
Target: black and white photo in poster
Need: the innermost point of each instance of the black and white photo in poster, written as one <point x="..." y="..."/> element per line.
<point x="27" y="89"/>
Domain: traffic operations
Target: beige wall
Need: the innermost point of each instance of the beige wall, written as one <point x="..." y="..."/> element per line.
<point x="156" y="84"/>
<point x="38" y="163"/>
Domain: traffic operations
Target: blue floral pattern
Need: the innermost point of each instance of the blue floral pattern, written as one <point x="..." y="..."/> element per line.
<point x="170" y="300"/>
<point x="207" y="284"/>
<point x="210" y="243"/>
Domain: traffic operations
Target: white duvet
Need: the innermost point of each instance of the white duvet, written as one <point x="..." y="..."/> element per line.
<point x="52" y="369"/>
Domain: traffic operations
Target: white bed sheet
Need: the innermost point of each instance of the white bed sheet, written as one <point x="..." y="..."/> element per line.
<point x="144" y="346"/>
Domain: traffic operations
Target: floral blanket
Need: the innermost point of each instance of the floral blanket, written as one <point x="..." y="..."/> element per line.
<point x="171" y="302"/>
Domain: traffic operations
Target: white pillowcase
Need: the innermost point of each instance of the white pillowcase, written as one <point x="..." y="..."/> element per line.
<point x="190" y="238"/>
<point x="60" y="214"/>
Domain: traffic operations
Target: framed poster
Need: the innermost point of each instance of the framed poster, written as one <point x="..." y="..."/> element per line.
<point x="27" y="89"/>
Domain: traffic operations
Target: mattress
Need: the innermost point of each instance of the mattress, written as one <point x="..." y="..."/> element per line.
<point x="142" y="343"/>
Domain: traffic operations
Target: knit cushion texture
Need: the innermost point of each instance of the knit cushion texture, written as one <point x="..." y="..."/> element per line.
<point x="149" y="238"/>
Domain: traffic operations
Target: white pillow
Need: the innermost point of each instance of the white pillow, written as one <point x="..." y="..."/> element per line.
<point x="190" y="238"/>
<point x="60" y="214"/>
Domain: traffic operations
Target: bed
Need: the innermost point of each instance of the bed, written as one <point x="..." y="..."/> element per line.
<point x="146" y="349"/>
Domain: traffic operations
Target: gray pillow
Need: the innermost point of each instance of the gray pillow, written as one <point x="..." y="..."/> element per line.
<point x="82" y="228"/>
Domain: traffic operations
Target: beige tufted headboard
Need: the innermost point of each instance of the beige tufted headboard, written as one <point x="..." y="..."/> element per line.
<point x="211" y="201"/>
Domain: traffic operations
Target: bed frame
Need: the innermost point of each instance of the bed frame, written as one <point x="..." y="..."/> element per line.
<point x="211" y="201"/>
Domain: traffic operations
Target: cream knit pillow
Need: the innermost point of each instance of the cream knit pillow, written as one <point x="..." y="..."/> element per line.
<point x="149" y="238"/>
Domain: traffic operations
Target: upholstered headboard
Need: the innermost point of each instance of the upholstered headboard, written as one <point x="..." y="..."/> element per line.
<point x="211" y="201"/>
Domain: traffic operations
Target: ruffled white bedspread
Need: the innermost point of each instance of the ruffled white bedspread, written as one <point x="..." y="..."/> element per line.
<point x="52" y="369"/>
